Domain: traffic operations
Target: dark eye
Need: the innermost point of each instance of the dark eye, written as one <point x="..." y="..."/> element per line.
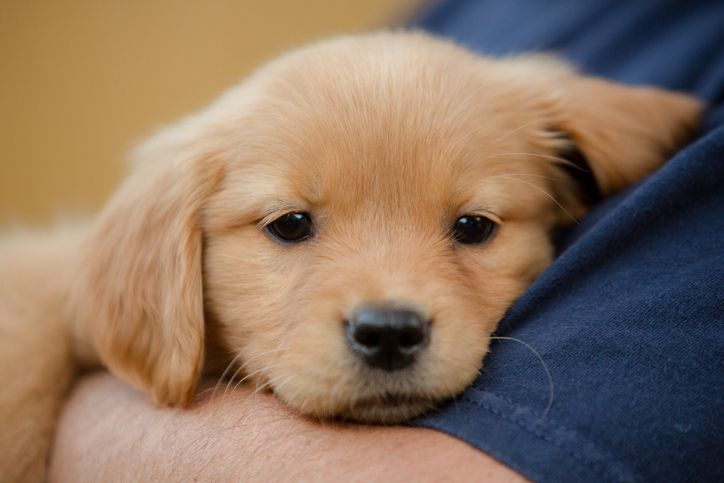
<point x="292" y="227"/>
<point x="471" y="229"/>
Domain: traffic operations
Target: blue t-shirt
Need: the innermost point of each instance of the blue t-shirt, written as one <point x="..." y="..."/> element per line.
<point x="629" y="321"/>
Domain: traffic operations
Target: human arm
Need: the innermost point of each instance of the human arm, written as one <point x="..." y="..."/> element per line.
<point x="108" y="432"/>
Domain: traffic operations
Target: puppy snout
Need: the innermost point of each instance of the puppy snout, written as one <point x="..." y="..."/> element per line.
<point x="385" y="338"/>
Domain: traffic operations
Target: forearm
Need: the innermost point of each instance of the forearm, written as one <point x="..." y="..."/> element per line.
<point x="108" y="432"/>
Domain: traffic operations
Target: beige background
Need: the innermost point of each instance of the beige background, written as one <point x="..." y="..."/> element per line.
<point x="82" y="80"/>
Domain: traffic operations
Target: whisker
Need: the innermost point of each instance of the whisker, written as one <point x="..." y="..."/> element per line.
<point x="253" y="373"/>
<point x="510" y="133"/>
<point x="551" y="391"/>
<point x="281" y="384"/>
<point x="248" y="397"/>
<point x="545" y="193"/>
<point x="232" y="378"/>
<point x="223" y="374"/>
<point x="528" y="175"/>
<point x="259" y="389"/>
<point x="246" y="363"/>
<point x="549" y="157"/>
<point x="277" y="351"/>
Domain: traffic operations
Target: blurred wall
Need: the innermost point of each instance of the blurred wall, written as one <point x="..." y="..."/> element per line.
<point x="81" y="81"/>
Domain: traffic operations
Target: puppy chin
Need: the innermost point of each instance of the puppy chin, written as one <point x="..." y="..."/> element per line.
<point x="388" y="409"/>
<point x="376" y="398"/>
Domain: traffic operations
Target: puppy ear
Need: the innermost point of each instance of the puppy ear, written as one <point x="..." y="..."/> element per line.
<point x="623" y="133"/>
<point x="140" y="296"/>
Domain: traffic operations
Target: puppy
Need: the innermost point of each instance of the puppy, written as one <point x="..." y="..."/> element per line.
<point x="345" y="228"/>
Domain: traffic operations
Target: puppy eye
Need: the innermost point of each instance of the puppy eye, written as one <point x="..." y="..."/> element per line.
<point x="292" y="227"/>
<point x="471" y="229"/>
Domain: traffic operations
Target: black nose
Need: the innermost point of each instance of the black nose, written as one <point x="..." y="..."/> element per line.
<point x="387" y="339"/>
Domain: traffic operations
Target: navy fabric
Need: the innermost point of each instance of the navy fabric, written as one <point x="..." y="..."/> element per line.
<point x="629" y="320"/>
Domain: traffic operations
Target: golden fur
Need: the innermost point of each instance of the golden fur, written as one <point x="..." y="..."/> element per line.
<point x="385" y="139"/>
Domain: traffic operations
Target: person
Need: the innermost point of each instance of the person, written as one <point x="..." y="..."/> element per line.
<point x="608" y="368"/>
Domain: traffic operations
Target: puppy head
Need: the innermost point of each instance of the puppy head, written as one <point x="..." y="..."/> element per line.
<point x="356" y="218"/>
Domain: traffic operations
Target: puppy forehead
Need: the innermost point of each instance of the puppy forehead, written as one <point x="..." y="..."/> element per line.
<point x="392" y="130"/>
<point x="345" y="165"/>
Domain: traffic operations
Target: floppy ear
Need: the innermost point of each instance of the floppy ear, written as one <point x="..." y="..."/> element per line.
<point x="140" y="296"/>
<point x="624" y="133"/>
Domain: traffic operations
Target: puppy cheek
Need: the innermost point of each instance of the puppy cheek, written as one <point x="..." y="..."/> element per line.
<point x="246" y="297"/>
<point x="520" y="252"/>
<point x="459" y="338"/>
<point x="317" y="373"/>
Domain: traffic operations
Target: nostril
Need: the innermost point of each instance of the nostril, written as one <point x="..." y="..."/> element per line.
<point x="411" y="337"/>
<point x="367" y="336"/>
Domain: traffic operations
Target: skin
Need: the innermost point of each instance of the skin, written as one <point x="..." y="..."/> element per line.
<point x="109" y="432"/>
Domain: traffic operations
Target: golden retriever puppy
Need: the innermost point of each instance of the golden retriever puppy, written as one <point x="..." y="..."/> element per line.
<point x="346" y="228"/>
